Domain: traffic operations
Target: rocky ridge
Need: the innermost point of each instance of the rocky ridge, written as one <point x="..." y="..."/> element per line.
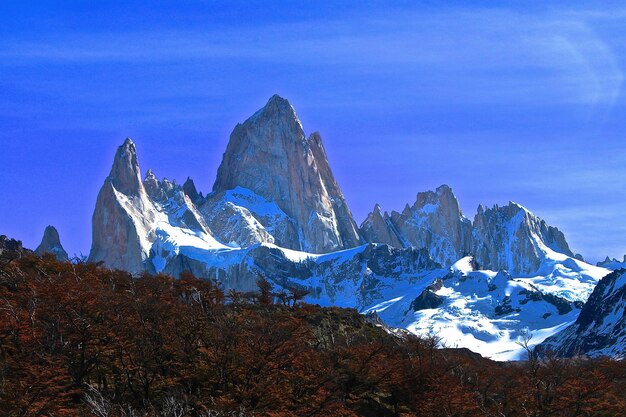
<point x="434" y="221"/>
<point x="500" y="238"/>
<point x="613" y="264"/>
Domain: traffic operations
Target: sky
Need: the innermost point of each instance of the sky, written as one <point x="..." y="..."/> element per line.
<point x="502" y="101"/>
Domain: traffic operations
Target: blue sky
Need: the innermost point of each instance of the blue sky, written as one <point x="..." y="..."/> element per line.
<point x="500" y="100"/>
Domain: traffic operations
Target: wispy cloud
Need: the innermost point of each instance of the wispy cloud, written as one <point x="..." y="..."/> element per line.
<point x="553" y="56"/>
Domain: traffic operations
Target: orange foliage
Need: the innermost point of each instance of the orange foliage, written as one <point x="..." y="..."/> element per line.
<point x="77" y="339"/>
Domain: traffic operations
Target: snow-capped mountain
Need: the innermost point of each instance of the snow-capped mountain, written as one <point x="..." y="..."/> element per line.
<point x="508" y="237"/>
<point x="512" y="238"/>
<point x="434" y="222"/>
<point x="51" y="243"/>
<point x="276" y="211"/>
<point x="270" y="155"/>
<point x="600" y="329"/>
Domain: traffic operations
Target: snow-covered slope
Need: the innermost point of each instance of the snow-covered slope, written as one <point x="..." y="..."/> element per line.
<point x="600" y="329"/>
<point x="242" y="218"/>
<point x="485" y="311"/>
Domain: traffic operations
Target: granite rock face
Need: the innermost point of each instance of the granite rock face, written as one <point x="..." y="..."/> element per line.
<point x="378" y="228"/>
<point x="270" y="155"/>
<point x="512" y="238"/>
<point x="123" y="218"/>
<point x="51" y="243"/>
<point x="434" y="221"/>
<point x="500" y="238"/>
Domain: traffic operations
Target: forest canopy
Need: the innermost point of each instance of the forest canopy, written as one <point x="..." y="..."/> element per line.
<point x="77" y="339"/>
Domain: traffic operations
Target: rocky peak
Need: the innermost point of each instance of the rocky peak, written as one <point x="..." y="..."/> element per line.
<point x="168" y="185"/>
<point x="613" y="264"/>
<point x="51" y="243"/>
<point x="153" y="187"/>
<point x="278" y="108"/>
<point x="125" y="175"/>
<point x="348" y="231"/>
<point x="376" y="228"/>
<point x="435" y="221"/>
<point x="150" y="177"/>
<point x="512" y="238"/>
<point x="123" y="219"/>
<point x="190" y="190"/>
<point x="270" y="155"/>
<point x="443" y="193"/>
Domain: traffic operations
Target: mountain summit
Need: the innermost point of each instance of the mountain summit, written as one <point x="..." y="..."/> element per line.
<point x="121" y="222"/>
<point x="509" y="237"/>
<point x="125" y="175"/>
<point x="270" y="155"/>
<point x="51" y="243"/>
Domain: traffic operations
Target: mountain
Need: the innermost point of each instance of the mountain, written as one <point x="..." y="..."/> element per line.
<point x="434" y="222"/>
<point x="600" y="329"/>
<point x="270" y="155"/>
<point x="512" y="238"/>
<point x="277" y="212"/>
<point x="123" y="218"/>
<point x="500" y="238"/>
<point x="51" y="243"/>
<point x="613" y="264"/>
<point x="377" y="227"/>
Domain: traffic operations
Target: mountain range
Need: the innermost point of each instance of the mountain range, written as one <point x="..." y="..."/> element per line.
<point x="276" y="211"/>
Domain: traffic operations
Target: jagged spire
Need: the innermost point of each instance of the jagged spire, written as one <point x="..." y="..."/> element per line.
<point x="125" y="174"/>
<point x="189" y="188"/>
<point x="51" y="243"/>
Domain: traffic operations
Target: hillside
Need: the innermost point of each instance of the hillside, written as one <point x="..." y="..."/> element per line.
<point x="79" y="339"/>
